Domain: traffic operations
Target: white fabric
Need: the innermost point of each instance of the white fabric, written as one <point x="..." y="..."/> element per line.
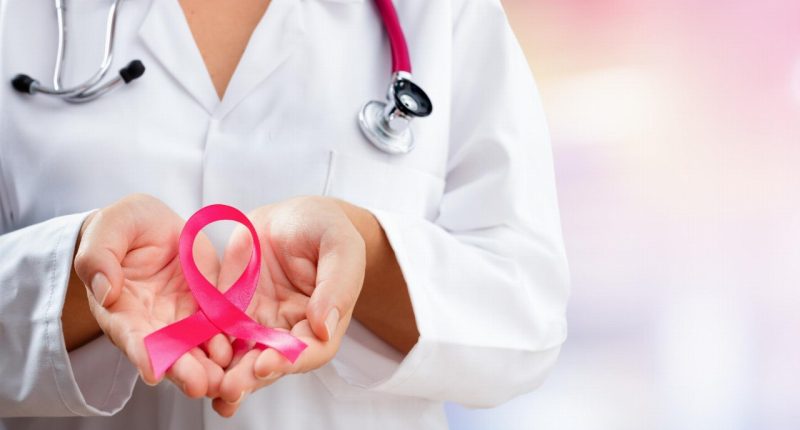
<point x="471" y="213"/>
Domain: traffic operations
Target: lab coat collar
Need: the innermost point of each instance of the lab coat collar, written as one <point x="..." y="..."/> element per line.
<point x="168" y="36"/>
<point x="273" y="41"/>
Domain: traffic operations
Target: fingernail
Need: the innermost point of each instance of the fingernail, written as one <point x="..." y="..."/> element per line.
<point x="272" y="375"/>
<point x="241" y="396"/>
<point x="100" y="287"/>
<point x="331" y="322"/>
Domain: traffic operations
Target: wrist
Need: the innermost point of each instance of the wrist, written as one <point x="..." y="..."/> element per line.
<point x="376" y="245"/>
<point x="88" y="220"/>
<point x="384" y="304"/>
<point x="78" y="324"/>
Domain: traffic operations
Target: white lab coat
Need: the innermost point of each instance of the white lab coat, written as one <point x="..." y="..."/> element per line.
<point x="471" y="213"/>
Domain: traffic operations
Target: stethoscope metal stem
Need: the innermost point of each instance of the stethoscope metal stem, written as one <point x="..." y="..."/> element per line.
<point x="105" y="65"/>
<point x="62" y="44"/>
<point x="92" y="93"/>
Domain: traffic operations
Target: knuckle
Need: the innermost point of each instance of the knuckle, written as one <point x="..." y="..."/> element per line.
<point x="83" y="261"/>
<point x="137" y="203"/>
<point x="138" y="197"/>
<point x="101" y="220"/>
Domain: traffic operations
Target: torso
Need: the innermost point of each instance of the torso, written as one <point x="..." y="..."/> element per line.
<point x="293" y="83"/>
<point x="221" y="30"/>
<point x="287" y="126"/>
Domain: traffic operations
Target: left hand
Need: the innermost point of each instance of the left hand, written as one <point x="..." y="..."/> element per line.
<point x="314" y="260"/>
<point x="128" y="257"/>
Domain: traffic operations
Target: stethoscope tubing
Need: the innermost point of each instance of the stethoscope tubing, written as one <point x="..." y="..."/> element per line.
<point x="62" y="44"/>
<point x="401" y="60"/>
<point x="385" y="124"/>
<point x="86" y="90"/>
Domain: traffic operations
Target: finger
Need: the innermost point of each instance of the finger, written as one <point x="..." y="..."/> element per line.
<point x="194" y="373"/>
<point x="214" y="373"/>
<point x="241" y="379"/>
<point x="340" y="275"/>
<point x="103" y="245"/>
<point x="224" y="408"/>
<point x="317" y="353"/>
<point x="130" y="341"/>
<point x="271" y="364"/>
<point x="220" y="350"/>
<point x="238" y="380"/>
<point x="189" y="375"/>
<point x="240" y="348"/>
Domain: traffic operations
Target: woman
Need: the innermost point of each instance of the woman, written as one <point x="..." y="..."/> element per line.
<point x="416" y="279"/>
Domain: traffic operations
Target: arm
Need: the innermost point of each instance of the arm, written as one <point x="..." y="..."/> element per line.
<point x="36" y="370"/>
<point x="384" y="306"/>
<point x="45" y="311"/>
<point x="487" y="278"/>
<point x="77" y="322"/>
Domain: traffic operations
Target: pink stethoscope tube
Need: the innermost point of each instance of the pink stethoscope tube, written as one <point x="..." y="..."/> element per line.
<point x="386" y="124"/>
<point x="401" y="61"/>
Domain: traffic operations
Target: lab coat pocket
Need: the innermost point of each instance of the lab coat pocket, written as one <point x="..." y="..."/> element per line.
<point x="378" y="184"/>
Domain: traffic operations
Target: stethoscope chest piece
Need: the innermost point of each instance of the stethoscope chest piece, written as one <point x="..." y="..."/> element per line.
<point x="388" y="125"/>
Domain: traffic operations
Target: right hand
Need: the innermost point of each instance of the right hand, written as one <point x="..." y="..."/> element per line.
<point x="128" y="259"/>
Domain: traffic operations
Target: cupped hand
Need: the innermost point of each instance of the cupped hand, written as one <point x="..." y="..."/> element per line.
<point x="128" y="257"/>
<point x="312" y="273"/>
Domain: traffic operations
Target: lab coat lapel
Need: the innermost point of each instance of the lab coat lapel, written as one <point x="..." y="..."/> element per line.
<point x="273" y="41"/>
<point x="167" y="35"/>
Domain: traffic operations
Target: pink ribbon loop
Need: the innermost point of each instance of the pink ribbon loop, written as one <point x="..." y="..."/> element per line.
<point x="218" y="313"/>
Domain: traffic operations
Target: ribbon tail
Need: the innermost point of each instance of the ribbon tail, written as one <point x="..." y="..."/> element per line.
<point x="167" y="345"/>
<point x="284" y="342"/>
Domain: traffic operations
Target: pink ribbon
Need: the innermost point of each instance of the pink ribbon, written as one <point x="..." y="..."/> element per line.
<point x="218" y="313"/>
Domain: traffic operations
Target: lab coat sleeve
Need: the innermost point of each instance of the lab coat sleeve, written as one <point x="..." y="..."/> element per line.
<point x="488" y="278"/>
<point x="39" y="378"/>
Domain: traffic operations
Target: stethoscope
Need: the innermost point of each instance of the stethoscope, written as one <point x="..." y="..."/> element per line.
<point x="386" y="124"/>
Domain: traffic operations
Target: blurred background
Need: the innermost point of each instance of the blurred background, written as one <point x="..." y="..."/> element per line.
<point x="675" y="127"/>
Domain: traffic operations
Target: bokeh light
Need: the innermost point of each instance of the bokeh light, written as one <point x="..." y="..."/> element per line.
<point x="676" y="133"/>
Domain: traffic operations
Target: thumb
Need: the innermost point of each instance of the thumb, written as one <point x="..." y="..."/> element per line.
<point x="340" y="275"/>
<point x="103" y="244"/>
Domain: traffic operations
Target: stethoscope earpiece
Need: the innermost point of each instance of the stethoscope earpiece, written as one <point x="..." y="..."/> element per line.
<point x="134" y="70"/>
<point x="23" y="83"/>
